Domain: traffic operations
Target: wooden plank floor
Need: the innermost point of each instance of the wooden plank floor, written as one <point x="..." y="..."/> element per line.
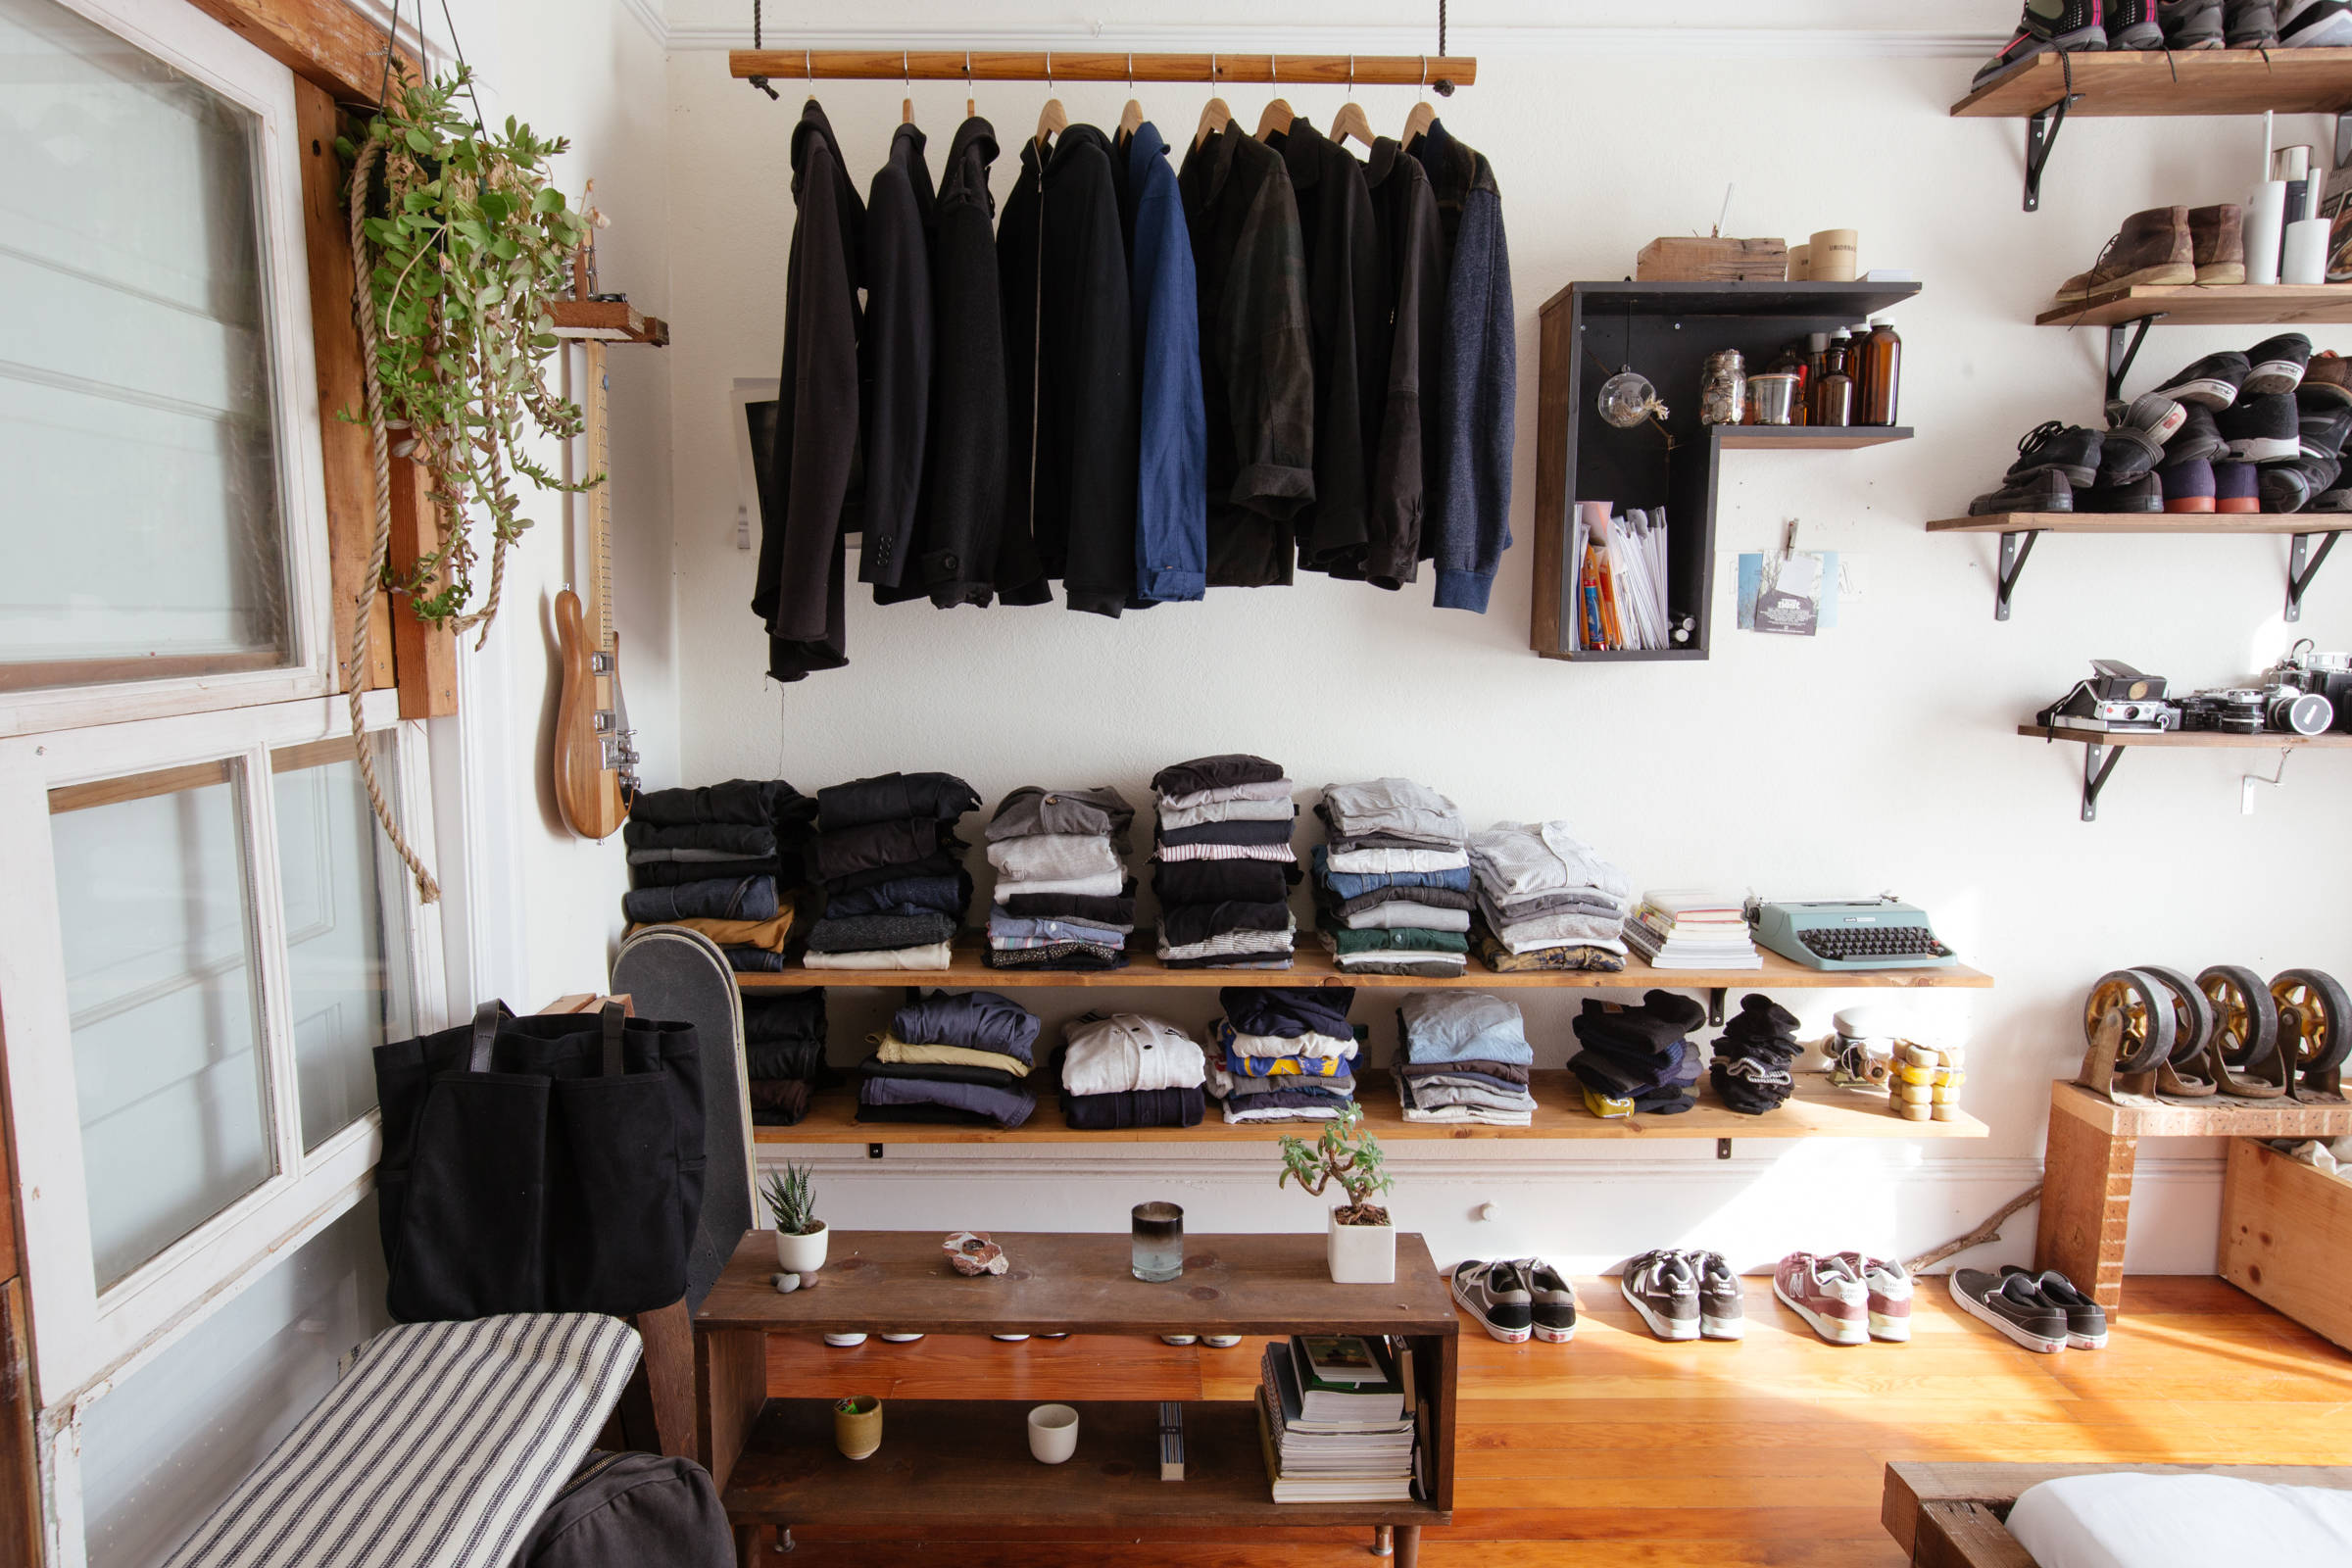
<point x="1620" y="1452"/>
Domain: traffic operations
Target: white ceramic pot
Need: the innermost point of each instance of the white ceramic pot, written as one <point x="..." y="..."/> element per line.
<point x="802" y="1254"/>
<point x="1362" y="1254"/>
<point x="1052" y="1433"/>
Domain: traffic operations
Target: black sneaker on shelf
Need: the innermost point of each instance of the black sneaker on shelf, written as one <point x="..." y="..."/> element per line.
<point x="2315" y="24"/>
<point x="1552" y="1300"/>
<point x="2324" y="424"/>
<point x="2046" y="491"/>
<point x="2290" y="486"/>
<point x="2132" y="24"/>
<point x="1496" y="1294"/>
<point x="2198" y="436"/>
<point x="2086" y="1319"/>
<point x="2047" y="24"/>
<point x="2277" y="362"/>
<point x="2264" y="429"/>
<point x="2335" y="497"/>
<point x="2133" y="447"/>
<point x="2012" y="1303"/>
<point x="2252" y="24"/>
<point x="2072" y="450"/>
<point x="2212" y="380"/>
<point x="2191" y="23"/>
<point x="2143" y="494"/>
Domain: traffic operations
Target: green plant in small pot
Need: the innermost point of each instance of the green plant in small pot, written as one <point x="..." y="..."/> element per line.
<point x="1362" y="1241"/>
<point x="801" y="1235"/>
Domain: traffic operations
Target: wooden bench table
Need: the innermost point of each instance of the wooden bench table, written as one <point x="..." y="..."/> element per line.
<point x="1954" y="1515"/>
<point x="958" y="1470"/>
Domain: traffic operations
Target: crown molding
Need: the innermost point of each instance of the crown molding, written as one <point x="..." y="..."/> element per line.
<point x="1736" y="43"/>
<point x="649" y="16"/>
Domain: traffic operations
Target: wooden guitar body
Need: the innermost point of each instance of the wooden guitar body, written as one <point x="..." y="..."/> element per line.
<point x="588" y="779"/>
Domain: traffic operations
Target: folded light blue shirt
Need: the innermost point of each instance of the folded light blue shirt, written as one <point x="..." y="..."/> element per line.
<point x="1463" y="1026"/>
<point x="1355" y="885"/>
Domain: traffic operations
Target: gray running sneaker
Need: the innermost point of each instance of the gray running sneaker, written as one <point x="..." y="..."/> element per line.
<point x="1496" y="1294"/>
<point x="1551" y="1300"/>
<point x="1663" y="1288"/>
<point x="1722" y="1309"/>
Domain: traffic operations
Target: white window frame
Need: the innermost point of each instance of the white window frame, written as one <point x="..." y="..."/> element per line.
<point x="183" y="37"/>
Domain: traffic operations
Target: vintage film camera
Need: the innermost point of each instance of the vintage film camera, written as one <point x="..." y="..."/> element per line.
<point x="2328" y="675"/>
<point x="2116" y="697"/>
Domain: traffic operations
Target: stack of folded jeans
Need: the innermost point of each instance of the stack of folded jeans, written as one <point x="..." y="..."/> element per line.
<point x="1224" y="864"/>
<point x="1546" y="901"/>
<point x="892" y="872"/>
<point x="1285" y="1054"/>
<point x="784" y="1052"/>
<point x="724" y="860"/>
<point x="953" y="1056"/>
<point x="1638" y="1059"/>
<point x="1130" y="1070"/>
<point x="1383" y="831"/>
<point x="1463" y="1055"/>
<point x="1067" y="845"/>
<point x="1754" y="1060"/>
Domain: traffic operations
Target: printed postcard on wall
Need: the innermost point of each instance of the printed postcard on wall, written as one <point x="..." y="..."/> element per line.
<point x="1790" y="594"/>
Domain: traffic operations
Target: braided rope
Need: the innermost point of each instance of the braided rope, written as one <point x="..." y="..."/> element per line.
<point x="363" y="621"/>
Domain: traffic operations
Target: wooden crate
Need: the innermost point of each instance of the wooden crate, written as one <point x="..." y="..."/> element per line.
<point x="2286" y="1237"/>
<point x="1693" y="259"/>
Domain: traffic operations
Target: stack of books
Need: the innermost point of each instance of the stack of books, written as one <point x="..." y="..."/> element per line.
<point x="1335" y="1413"/>
<point x="1686" y="928"/>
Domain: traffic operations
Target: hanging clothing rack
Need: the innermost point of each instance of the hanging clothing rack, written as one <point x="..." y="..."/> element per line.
<point x="1441" y="73"/>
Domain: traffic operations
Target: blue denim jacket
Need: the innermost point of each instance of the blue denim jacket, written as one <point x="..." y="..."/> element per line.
<point x="1171" y="515"/>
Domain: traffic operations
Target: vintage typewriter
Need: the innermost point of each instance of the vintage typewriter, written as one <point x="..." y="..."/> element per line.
<point x="1879" y="933"/>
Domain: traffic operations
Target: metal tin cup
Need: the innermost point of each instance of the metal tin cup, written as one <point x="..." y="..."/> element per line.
<point x="1158" y="1243"/>
<point x="1774" y="396"/>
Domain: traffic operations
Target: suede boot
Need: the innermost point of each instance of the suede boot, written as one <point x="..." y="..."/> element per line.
<point x="2152" y="249"/>
<point x="2218" y="243"/>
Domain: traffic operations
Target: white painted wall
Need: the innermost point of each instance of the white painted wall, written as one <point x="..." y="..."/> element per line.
<point x="1882" y="756"/>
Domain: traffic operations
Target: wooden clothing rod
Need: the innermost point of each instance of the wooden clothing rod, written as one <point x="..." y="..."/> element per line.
<point x="1444" y="72"/>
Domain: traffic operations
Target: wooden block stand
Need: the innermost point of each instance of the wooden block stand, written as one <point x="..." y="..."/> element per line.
<point x="2286" y="1237"/>
<point x="958" y="1470"/>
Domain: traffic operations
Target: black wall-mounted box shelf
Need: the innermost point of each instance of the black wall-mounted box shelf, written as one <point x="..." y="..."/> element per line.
<point x="1665" y="331"/>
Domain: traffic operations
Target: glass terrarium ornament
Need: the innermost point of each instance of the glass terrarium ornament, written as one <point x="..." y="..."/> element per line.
<point x="1627" y="399"/>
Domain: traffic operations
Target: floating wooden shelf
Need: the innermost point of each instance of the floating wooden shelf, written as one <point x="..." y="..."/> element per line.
<point x="2102" y="749"/>
<point x="1816" y="1111"/>
<point x="1805" y="437"/>
<point x="2020" y="529"/>
<point x="2217" y="305"/>
<point x="608" y="322"/>
<point x="2208" y="81"/>
<point x="1312" y="966"/>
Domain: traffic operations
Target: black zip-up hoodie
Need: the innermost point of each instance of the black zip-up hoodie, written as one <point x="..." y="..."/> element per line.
<point x="896" y="352"/>
<point x="813" y="461"/>
<point x="964" y="499"/>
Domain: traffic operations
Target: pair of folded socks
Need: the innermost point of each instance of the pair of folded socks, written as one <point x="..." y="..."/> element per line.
<point x="1059" y="844"/>
<point x="1754" y="1065"/>
<point x="891" y="862"/>
<point x="1223" y="863"/>
<point x="1638" y="1058"/>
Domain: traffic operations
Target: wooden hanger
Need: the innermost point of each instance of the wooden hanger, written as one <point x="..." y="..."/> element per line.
<point x="1052" y="120"/>
<point x="1424" y="115"/>
<point x="1215" y="116"/>
<point x="971" y="104"/>
<point x="1131" y="117"/>
<point x="1278" y="117"/>
<point x="1350" y="122"/>
<point x="906" y="104"/>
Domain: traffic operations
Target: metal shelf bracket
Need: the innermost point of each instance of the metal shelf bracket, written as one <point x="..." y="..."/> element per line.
<point x="2120" y="355"/>
<point x="1715" y="995"/>
<point x="2303" y="564"/>
<point x="2041" y="135"/>
<point x="2013" y="563"/>
<point x="2099" y="761"/>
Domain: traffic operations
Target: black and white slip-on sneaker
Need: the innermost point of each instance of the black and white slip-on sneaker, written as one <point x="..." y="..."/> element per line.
<point x="2212" y="380"/>
<point x="1496" y="1294"/>
<point x="2011" y="1304"/>
<point x="1552" y="1302"/>
<point x="2086" y="1319"/>
<point x="2262" y="429"/>
<point x="2277" y="365"/>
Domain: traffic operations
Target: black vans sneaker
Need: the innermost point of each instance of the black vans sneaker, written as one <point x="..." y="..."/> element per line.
<point x="2198" y="436"/>
<point x="2143" y="494"/>
<point x="2071" y="449"/>
<point x="2212" y="380"/>
<point x="2132" y="24"/>
<point x="2012" y="1303"/>
<point x="2086" y="1319"/>
<point x="1496" y="1294"/>
<point x="2046" y="491"/>
<point x="2277" y="365"/>
<point x="1551" y="1300"/>
<point x="2047" y="24"/>
<point x="2262" y="429"/>
<point x="2323" y="423"/>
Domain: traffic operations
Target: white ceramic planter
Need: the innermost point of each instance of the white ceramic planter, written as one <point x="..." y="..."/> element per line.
<point x="803" y="1254"/>
<point x="1362" y="1254"/>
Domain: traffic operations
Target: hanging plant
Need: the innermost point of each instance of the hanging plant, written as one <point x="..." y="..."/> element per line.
<point x="461" y="243"/>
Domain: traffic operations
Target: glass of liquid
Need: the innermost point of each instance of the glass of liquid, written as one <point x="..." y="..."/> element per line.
<point x="1158" y="1243"/>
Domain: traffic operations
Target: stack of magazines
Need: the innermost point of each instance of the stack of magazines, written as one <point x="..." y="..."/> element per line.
<point x="1693" y="928"/>
<point x="1335" y="1413"/>
<point x="1621" y="581"/>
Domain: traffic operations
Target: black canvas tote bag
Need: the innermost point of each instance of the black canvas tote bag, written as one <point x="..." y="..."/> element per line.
<point x="632" y="1511"/>
<point x="540" y="1164"/>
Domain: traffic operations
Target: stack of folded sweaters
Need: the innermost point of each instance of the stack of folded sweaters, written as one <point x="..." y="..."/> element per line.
<point x="1463" y="1056"/>
<point x="1225" y="864"/>
<point x="1754" y="1060"/>
<point x="1129" y="1070"/>
<point x="953" y="1056"/>
<point x="784" y="1052"/>
<point x="1638" y="1059"/>
<point x="723" y="859"/>
<point x="1285" y="1054"/>
<point x="1062" y="845"/>
<point x="1389" y="838"/>
<point x="1546" y="901"/>
<point x="893" y="870"/>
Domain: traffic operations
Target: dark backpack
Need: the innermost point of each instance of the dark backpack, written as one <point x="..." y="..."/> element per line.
<point x="632" y="1511"/>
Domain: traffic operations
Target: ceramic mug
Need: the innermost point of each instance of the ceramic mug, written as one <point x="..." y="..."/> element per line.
<point x="857" y="1424"/>
<point x="1052" y="1433"/>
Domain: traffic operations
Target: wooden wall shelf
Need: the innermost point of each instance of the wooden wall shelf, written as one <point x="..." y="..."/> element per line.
<point x="2217" y="305"/>
<point x="2208" y="81"/>
<point x="1816" y="1111"/>
<point x="608" y="322"/>
<point x="2102" y="749"/>
<point x="2020" y="529"/>
<point x="1665" y="331"/>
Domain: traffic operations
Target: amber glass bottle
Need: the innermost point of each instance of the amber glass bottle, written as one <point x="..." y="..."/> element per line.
<point x="1881" y="374"/>
<point x="1833" y="393"/>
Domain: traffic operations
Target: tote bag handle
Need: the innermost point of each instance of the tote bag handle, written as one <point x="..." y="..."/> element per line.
<point x="490" y="1014"/>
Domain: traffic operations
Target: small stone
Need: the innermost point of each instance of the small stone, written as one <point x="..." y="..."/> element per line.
<point x="786" y="1284"/>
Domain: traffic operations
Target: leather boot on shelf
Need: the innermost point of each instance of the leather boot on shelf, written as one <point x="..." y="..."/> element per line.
<point x="2153" y="248"/>
<point x="2216" y="241"/>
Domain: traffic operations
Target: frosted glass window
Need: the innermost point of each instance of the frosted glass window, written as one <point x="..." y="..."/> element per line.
<point x="165" y="1447"/>
<point x="142" y="517"/>
<point x="346" y="949"/>
<point x="167" y="1070"/>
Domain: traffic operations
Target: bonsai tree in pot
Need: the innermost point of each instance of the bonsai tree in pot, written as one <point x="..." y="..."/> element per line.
<point x="1362" y="1243"/>
<point x="799" y="1234"/>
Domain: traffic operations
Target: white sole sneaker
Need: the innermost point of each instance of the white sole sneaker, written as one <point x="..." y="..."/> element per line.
<point x="2084" y="1342"/>
<point x="1887" y="1326"/>
<point x="1722" y="1328"/>
<point x="1551" y="1336"/>
<point x="1665" y="1328"/>
<point x="1833" y="1330"/>
<point x="2215" y="395"/>
<point x="1507" y="1336"/>
<point x="2273" y="378"/>
<point x="1985" y="1315"/>
<point x="2266" y="449"/>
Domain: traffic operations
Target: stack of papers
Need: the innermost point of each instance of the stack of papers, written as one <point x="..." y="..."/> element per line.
<point x="1690" y="928"/>
<point x="1620" y="582"/>
<point x="1334" y="1421"/>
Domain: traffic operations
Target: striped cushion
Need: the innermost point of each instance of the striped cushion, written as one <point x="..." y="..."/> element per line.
<point x="438" y="1450"/>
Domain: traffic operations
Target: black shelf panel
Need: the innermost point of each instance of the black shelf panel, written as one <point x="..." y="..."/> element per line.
<point x="1846" y="302"/>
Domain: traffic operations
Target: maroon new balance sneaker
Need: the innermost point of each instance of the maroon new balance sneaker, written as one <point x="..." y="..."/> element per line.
<point x="1826" y="1295"/>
